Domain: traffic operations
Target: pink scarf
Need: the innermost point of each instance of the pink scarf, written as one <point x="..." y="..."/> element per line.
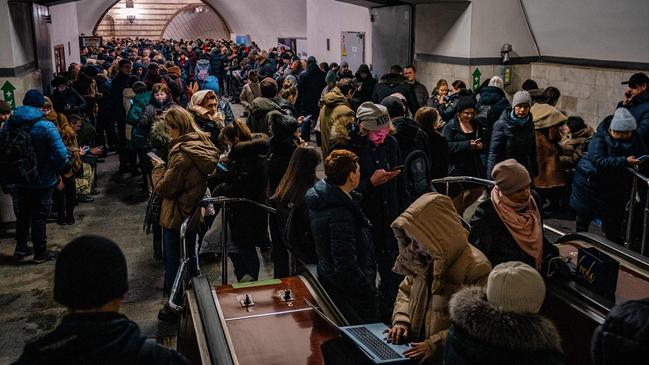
<point x="523" y="221"/>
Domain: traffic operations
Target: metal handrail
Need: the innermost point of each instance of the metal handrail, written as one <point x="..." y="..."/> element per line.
<point x="223" y="202"/>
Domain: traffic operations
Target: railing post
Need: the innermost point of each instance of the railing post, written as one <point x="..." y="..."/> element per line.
<point x="224" y="249"/>
<point x="643" y="248"/>
<point x="629" y="222"/>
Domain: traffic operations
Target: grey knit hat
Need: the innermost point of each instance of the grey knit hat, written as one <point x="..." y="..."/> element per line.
<point x="373" y="116"/>
<point x="522" y="97"/>
<point x="623" y="121"/>
<point x="515" y="287"/>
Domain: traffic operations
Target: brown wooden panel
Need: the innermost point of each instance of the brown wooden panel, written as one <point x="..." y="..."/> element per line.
<point x="631" y="284"/>
<point x="265" y="298"/>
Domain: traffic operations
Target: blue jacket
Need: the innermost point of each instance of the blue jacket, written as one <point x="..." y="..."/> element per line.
<point x="512" y="140"/>
<point x="346" y="264"/>
<point x="494" y="96"/>
<point x="600" y="177"/>
<point x="640" y="109"/>
<point x="51" y="153"/>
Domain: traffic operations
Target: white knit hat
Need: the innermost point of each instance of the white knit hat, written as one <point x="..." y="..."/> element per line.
<point x="515" y="287"/>
<point x="497" y="82"/>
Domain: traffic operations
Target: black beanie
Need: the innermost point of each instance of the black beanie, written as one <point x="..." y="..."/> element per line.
<point x="394" y="105"/>
<point x="465" y="102"/>
<point x="90" y="272"/>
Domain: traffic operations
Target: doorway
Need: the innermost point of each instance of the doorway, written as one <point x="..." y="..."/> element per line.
<point x="352" y="49"/>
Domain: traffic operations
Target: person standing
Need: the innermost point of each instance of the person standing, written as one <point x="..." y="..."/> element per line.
<point x="250" y="91"/>
<point x="513" y="136"/>
<point x="636" y="99"/>
<point x="418" y="89"/>
<point x="34" y="199"/>
<point x="181" y="183"/>
<point x="310" y="85"/>
<point x="346" y="264"/>
<point x="119" y="83"/>
<point x="335" y="107"/>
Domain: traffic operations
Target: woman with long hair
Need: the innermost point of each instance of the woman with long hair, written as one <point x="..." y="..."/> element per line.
<point x="247" y="178"/>
<point x="181" y="183"/>
<point x="428" y="120"/>
<point x="292" y="219"/>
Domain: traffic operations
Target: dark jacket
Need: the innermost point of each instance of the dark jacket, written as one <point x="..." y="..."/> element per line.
<point x="68" y="102"/>
<point x="280" y="153"/>
<point x="622" y="337"/>
<point x="178" y="89"/>
<point x="600" y="177"/>
<point x="259" y="108"/>
<point x="367" y="86"/>
<point x="51" y="154"/>
<point x="151" y="112"/>
<point x="97" y="338"/>
<point x="217" y="64"/>
<point x="208" y="126"/>
<point x="310" y="85"/>
<point x="439" y="155"/>
<point x="392" y="83"/>
<point x="383" y="203"/>
<point x="248" y="179"/>
<point x="512" y="140"/>
<point x="119" y="83"/>
<point x="266" y="69"/>
<point x="483" y="335"/>
<point x="640" y="109"/>
<point x="447" y="111"/>
<point x="493" y="96"/>
<point x="346" y="262"/>
<point x="420" y="92"/>
<point x="490" y="235"/>
<point x="410" y="137"/>
<point x="463" y="161"/>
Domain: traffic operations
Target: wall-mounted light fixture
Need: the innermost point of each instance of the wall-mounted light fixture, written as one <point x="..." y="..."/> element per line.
<point x="506" y="68"/>
<point x="200" y="9"/>
<point x="504" y="52"/>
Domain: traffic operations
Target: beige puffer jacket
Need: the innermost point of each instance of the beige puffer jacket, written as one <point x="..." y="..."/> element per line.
<point x="424" y="294"/>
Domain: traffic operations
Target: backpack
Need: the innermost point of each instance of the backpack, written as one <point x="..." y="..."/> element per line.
<point x="18" y="161"/>
<point x="202" y="71"/>
<point x="417" y="175"/>
<point x="486" y="118"/>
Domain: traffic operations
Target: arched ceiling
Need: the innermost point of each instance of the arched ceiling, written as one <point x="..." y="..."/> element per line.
<point x="195" y="22"/>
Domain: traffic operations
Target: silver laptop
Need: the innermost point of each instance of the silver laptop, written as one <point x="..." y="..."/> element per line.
<point x="372" y="340"/>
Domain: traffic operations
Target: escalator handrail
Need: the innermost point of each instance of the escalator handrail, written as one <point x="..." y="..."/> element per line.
<point x="608" y="246"/>
<point x="215" y="338"/>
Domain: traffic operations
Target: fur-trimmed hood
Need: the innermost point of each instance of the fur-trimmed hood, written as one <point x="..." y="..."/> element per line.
<point x="470" y="312"/>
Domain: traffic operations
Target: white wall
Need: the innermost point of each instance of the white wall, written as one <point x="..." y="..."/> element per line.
<point x="20" y="34"/>
<point x="6" y="56"/>
<point x="65" y="30"/>
<point x="592" y="29"/>
<point x="443" y="29"/>
<point x="327" y="19"/>
<point x="264" y="20"/>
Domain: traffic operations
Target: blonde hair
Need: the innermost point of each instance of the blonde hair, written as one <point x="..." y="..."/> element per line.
<point x="181" y="120"/>
<point x="289" y="91"/>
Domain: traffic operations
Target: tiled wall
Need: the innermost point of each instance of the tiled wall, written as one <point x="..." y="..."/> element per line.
<point x="589" y="92"/>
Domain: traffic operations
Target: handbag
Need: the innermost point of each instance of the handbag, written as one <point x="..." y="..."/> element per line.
<point x="597" y="271"/>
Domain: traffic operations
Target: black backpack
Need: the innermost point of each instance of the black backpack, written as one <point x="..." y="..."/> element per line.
<point x="417" y="175"/>
<point x="18" y="161"/>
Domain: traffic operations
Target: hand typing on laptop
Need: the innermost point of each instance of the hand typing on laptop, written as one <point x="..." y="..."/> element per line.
<point x="419" y="350"/>
<point x="397" y="334"/>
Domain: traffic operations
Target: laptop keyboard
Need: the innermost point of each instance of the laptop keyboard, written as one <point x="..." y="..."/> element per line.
<point x="375" y="344"/>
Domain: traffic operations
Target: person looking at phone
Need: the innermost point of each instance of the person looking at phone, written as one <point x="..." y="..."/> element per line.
<point x="181" y="184"/>
<point x="382" y="189"/>
<point x="464" y="138"/>
<point x="636" y="99"/>
<point x="601" y="182"/>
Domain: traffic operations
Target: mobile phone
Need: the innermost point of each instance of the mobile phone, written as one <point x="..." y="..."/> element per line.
<point x="395" y="168"/>
<point x="222" y="167"/>
<point x="643" y="158"/>
<point x="155" y="158"/>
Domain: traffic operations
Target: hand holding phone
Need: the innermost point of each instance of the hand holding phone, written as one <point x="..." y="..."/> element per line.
<point x="155" y="159"/>
<point x="397" y="168"/>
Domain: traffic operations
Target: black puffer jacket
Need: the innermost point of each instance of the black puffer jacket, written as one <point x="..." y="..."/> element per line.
<point x="410" y="137"/>
<point x="510" y="139"/>
<point x="346" y="263"/>
<point x="463" y="161"/>
<point x="483" y="335"/>
<point x="393" y="83"/>
<point x="310" y="85"/>
<point x="248" y="179"/>
<point x="97" y="338"/>
<point x="623" y="337"/>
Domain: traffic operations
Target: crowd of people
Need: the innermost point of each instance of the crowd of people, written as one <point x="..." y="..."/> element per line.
<point x="163" y="107"/>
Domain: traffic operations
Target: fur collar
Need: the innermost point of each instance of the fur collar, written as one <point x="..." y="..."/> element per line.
<point x="471" y="312"/>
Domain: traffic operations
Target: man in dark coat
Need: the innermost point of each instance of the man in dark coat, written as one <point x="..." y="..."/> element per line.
<point x="217" y="66"/>
<point x="418" y="89"/>
<point x="119" y="83"/>
<point x="261" y="106"/>
<point x="346" y="265"/>
<point x="636" y="99"/>
<point x="513" y="136"/>
<point x="91" y="280"/>
<point x="395" y="82"/>
<point x="310" y="85"/>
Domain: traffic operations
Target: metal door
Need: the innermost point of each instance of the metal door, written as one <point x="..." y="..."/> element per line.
<point x="391" y="37"/>
<point x="352" y="49"/>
